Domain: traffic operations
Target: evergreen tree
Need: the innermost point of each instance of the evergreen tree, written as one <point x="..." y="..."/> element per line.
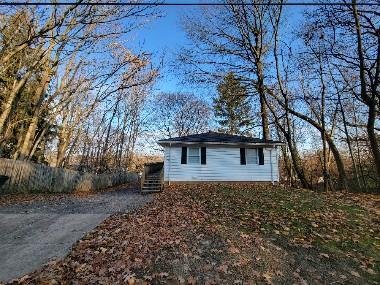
<point x="232" y="108"/>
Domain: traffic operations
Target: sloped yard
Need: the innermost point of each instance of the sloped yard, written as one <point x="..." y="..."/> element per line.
<point x="224" y="234"/>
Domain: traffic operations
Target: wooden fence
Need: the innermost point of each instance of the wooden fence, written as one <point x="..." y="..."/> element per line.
<point x="28" y="177"/>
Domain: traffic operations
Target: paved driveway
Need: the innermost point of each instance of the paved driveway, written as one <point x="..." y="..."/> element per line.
<point x="33" y="233"/>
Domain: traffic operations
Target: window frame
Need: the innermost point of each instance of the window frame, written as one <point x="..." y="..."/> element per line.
<point x="191" y="156"/>
<point x="247" y="160"/>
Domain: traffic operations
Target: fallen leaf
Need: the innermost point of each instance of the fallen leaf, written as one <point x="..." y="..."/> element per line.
<point x="223" y="268"/>
<point x="181" y="280"/>
<point x="163" y="274"/>
<point x="233" y="250"/>
<point x="131" y="280"/>
<point x="191" y="280"/>
<point x="354" y="273"/>
<point x="268" y="277"/>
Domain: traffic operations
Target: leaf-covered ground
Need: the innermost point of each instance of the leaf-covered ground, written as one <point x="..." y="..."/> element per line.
<point x="230" y="234"/>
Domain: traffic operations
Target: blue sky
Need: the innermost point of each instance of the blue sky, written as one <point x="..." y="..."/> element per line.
<point x="164" y="36"/>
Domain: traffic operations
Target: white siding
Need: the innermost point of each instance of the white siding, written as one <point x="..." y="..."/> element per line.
<point x="222" y="164"/>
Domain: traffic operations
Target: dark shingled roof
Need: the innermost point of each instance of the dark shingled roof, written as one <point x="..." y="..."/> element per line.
<point x="214" y="137"/>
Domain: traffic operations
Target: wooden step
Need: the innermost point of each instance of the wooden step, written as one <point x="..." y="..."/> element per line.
<point x="151" y="190"/>
<point x="153" y="183"/>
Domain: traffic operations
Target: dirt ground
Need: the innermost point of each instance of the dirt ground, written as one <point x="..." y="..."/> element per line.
<point x="229" y="234"/>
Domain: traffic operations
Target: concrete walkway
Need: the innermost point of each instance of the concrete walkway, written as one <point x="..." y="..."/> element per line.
<point x="33" y="233"/>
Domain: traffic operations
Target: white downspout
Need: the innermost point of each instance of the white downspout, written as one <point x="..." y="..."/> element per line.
<point x="271" y="165"/>
<point x="278" y="165"/>
<point x="169" y="160"/>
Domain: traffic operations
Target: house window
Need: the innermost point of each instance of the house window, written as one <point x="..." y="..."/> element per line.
<point x="252" y="157"/>
<point x="193" y="155"/>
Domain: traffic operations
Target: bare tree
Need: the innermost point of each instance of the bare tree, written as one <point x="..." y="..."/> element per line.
<point x="234" y="38"/>
<point x="52" y="78"/>
<point x="351" y="33"/>
<point x="178" y="114"/>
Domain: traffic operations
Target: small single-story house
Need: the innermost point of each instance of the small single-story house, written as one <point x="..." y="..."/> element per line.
<point x="218" y="157"/>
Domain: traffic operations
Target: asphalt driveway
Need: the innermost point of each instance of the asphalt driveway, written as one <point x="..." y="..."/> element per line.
<point x="34" y="233"/>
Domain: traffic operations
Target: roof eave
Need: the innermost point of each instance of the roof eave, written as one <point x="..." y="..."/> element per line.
<point x="164" y="143"/>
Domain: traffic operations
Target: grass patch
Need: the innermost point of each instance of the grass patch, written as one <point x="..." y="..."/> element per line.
<point x="349" y="209"/>
<point x="330" y="222"/>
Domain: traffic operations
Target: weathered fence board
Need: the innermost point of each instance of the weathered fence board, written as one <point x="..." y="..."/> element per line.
<point x="28" y="177"/>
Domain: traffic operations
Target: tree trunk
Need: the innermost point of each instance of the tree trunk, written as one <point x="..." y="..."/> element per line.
<point x="61" y="152"/>
<point x="71" y="149"/>
<point x="346" y="132"/>
<point x="342" y="181"/>
<point x="287" y="130"/>
<point x="370" y="100"/>
<point x="288" y="165"/>
<point x="37" y="142"/>
<point x="11" y="98"/>
<point x="297" y="164"/>
<point x="105" y="146"/>
<point x="39" y="98"/>
<point x="263" y="106"/>
<point x="19" y="143"/>
<point x="372" y="136"/>
<point x="29" y="137"/>
<point x="326" y="178"/>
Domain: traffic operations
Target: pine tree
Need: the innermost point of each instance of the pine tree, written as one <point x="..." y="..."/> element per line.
<point x="232" y="108"/>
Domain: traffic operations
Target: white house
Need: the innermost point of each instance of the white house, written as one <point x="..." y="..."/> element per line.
<point x="212" y="156"/>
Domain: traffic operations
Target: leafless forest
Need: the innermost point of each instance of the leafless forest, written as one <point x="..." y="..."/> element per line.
<point x="74" y="94"/>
